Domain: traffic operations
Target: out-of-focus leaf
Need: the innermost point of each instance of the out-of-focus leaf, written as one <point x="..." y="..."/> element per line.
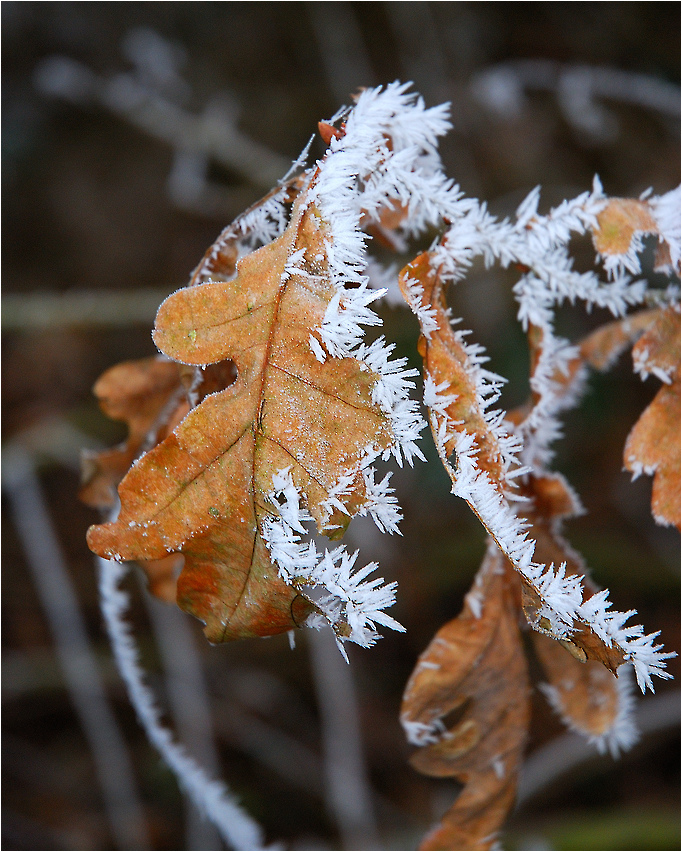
<point x="619" y="220"/>
<point x="583" y="693"/>
<point x="653" y="445"/>
<point x="145" y="394"/>
<point x="474" y="669"/>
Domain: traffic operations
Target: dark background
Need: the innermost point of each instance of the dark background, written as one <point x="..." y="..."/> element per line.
<point x="96" y="204"/>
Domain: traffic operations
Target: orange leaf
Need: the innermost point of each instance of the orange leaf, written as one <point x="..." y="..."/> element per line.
<point x="618" y="222"/>
<point x="653" y="445"/>
<point x="448" y="365"/>
<point x="204" y="491"/>
<point x="136" y="392"/>
<point x="474" y="669"/>
<point x="584" y="694"/>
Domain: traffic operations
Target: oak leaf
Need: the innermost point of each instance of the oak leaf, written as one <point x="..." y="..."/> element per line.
<point x="206" y="490"/>
<point x="619" y="221"/>
<point x="139" y="394"/>
<point x="474" y="669"/>
<point x="479" y="456"/>
<point x="653" y="445"/>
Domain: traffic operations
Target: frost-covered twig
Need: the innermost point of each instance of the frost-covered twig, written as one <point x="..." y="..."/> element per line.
<point x="53" y="584"/>
<point x="211" y="797"/>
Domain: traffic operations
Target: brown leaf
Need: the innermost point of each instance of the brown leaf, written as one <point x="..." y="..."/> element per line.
<point x="618" y="222"/>
<point x="203" y="491"/>
<point x="474" y="669"/>
<point x="138" y="393"/>
<point x="653" y="445"/>
<point x="447" y="363"/>
<point x="583" y="693"/>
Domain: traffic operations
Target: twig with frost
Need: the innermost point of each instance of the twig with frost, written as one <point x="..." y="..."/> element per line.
<point x="211" y="797"/>
<point x="58" y="598"/>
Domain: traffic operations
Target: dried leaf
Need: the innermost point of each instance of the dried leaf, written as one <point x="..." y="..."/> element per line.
<point x="653" y="445"/>
<point x="204" y="490"/>
<point x="475" y="669"/>
<point x="619" y="221"/>
<point x="553" y="501"/>
<point x="448" y="366"/>
<point x="139" y="393"/>
<point x="584" y="694"/>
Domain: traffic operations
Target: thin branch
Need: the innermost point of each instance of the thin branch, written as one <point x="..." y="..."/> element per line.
<point x="188" y="700"/>
<point x="211" y="797"/>
<point x="57" y="595"/>
<point x="349" y="795"/>
<point x="37" y="311"/>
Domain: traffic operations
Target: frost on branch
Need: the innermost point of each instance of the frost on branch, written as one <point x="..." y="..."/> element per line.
<point x="492" y="461"/>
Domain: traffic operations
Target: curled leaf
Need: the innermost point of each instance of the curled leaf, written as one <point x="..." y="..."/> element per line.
<point x="586" y="696"/>
<point x="474" y="670"/>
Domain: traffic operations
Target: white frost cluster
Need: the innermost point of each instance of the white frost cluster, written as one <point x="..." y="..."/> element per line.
<point x="348" y="597"/>
<point x="386" y="159"/>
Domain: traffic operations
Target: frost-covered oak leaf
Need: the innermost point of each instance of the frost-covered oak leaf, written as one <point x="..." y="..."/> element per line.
<point x="478" y="449"/>
<point x="474" y="670"/>
<point x="206" y="490"/>
<point x="455" y="381"/>
<point x="653" y="445"/>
